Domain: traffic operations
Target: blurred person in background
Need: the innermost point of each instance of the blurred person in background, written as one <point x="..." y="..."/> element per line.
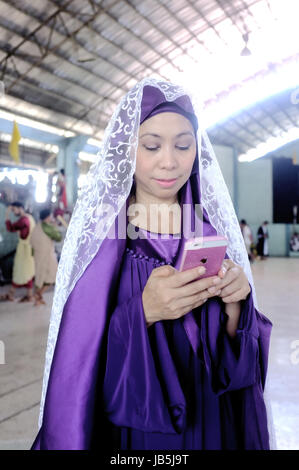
<point x="62" y="220"/>
<point x="61" y="187"/>
<point x="43" y="237"/>
<point x="248" y="238"/>
<point x="294" y="242"/>
<point x="23" y="267"/>
<point x="262" y="244"/>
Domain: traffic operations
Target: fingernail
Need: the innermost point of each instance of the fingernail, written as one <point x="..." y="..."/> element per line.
<point x="201" y="270"/>
<point x="212" y="290"/>
<point x="217" y="280"/>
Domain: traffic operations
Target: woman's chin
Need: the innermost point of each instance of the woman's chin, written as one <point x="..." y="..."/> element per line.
<point x="165" y="194"/>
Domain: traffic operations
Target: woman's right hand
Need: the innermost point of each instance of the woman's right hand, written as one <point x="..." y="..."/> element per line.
<point x="170" y="294"/>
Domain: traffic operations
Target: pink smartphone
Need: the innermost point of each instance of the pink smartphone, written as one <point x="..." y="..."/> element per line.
<point x="204" y="251"/>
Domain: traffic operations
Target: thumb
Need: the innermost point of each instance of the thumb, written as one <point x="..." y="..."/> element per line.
<point x="226" y="265"/>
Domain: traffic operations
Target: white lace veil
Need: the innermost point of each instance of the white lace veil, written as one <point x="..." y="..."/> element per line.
<point x="108" y="186"/>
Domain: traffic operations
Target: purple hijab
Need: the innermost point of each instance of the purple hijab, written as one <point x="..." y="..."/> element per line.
<point x="78" y="366"/>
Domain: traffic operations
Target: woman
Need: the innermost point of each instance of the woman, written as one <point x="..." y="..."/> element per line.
<point x="147" y="356"/>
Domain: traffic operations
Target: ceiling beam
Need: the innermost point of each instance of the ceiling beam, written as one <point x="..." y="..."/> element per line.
<point x="108" y="41"/>
<point x="228" y="15"/>
<point x="184" y="26"/>
<point x="157" y="28"/>
<point x="284" y="111"/>
<point x="208" y="22"/>
<point x="270" y="115"/>
<point x="235" y="137"/>
<point x="69" y="35"/>
<point x="52" y="50"/>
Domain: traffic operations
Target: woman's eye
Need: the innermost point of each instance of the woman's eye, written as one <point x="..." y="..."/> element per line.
<point x="183" y="147"/>
<point x="151" y="149"/>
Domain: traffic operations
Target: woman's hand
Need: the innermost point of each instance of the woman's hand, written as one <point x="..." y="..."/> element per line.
<point x="170" y="294"/>
<point x="233" y="283"/>
<point x="234" y="287"/>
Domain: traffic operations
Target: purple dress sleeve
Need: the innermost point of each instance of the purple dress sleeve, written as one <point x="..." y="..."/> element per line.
<point x="237" y="367"/>
<point x="134" y="395"/>
<point x="239" y="362"/>
<point x="142" y="389"/>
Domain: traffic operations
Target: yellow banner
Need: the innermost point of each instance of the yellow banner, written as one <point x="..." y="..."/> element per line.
<point x="14" y="143"/>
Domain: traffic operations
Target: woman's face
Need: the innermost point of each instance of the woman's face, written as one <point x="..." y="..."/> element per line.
<point x="165" y="155"/>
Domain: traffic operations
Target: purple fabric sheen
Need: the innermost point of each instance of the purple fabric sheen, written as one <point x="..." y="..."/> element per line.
<point x="153" y="102"/>
<point x="170" y="107"/>
<point x="226" y="366"/>
<point x="132" y="391"/>
<point x="77" y="374"/>
<point x="70" y="398"/>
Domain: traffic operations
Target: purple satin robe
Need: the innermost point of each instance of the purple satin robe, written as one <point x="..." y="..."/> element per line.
<point x="158" y="393"/>
<point x="183" y="384"/>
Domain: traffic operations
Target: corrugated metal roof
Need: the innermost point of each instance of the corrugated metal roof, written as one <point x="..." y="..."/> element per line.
<point x="68" y="62"/>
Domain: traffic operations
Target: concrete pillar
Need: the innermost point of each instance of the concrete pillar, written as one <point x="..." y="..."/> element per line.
<point x="236" y="182"/>
<point x="67" y="159"/>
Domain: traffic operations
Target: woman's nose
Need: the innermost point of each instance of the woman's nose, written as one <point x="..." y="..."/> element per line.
<point x="168" y="159"/>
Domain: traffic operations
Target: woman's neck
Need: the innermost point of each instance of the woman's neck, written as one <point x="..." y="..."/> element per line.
<point x="154" y="215"/>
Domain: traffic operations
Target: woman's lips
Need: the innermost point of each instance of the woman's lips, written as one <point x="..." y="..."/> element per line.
<point x="166" y="183"/>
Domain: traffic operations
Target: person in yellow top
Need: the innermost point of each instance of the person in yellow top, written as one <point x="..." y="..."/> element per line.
<point x="23" y="266"/>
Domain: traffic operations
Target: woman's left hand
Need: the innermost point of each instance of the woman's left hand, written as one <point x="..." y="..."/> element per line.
<point x="234" y="285"/>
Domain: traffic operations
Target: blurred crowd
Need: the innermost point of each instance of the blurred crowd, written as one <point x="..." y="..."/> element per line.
<point x="260" y="248"/>
<point x="38" y="233"/>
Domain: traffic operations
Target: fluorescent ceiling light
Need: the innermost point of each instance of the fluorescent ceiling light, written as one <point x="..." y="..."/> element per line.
<point x="87" y="157"/>
<point x="94" y="142"/>
<point x="272" y="144"/>
<point x="35" y="124"/>
<point x="50" y="148"/>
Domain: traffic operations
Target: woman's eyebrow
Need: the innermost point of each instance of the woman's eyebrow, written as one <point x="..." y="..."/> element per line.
<point x="178" y="135"/>
<point x="149" y="133"/>
<point x="185" y="133"/>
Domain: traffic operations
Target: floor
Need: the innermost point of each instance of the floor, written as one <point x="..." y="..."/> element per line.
<point x="277" y="286"/>
<point x="23" y="335"/>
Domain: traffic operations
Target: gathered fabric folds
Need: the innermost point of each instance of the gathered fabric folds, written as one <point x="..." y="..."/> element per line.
<point x="148" y="388"/>
<point x="159" y="394"/>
